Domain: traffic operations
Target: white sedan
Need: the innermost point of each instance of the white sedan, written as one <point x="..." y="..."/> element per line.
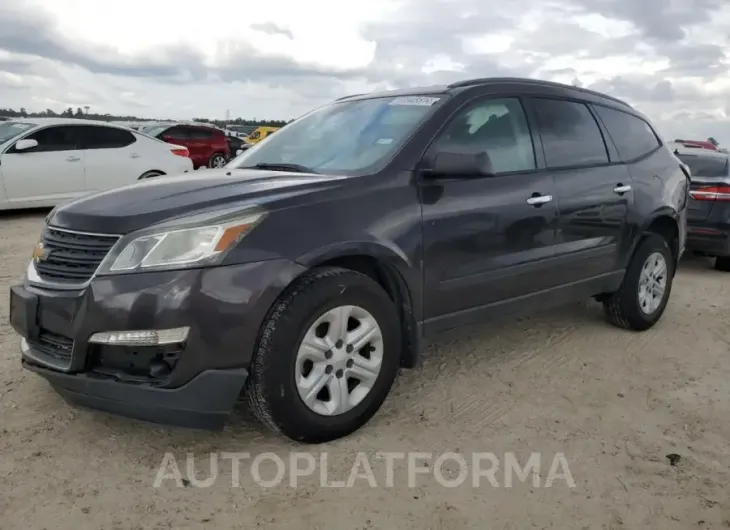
<point x="46" y="161"/>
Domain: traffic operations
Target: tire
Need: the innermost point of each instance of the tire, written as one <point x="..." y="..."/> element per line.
<point x="218" y="160"/>
<point x="722" y="263"/>
<point x="623" y="307"/>
<point x="151" y="174"/>
<point x="272" y="390"/>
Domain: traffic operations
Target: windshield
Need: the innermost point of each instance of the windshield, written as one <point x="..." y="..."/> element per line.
<point x="347" y="137"/>
<point x="706" y="166"/>
<point x="11" y="129"/>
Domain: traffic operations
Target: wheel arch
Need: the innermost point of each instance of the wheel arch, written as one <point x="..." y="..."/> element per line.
<point x="663" y="222"/>
<point x="158" y="171"/>
<point x="393" y="272"/>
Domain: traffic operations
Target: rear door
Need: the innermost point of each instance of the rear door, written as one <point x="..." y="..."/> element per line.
<point x="709" y="177"/>
<point x="49" y="173"/>
<point x="111" y="157"/>
<point x="594" y="192"/>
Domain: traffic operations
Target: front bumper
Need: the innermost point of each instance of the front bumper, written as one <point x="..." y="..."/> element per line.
<point x="224" y="308"/>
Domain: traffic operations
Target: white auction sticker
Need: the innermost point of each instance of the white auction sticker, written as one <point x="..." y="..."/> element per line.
<point x="422" y="101"/>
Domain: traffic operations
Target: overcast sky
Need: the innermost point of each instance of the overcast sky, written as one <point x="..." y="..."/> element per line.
<point x="280" y="58"/>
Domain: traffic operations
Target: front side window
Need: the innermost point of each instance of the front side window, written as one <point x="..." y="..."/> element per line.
<point x="58" y="138"/>
<point x="346" y="137"/>
<point x="11" y="129"/>
<point x="570" y="134"/>
<point x="499" y="127"/>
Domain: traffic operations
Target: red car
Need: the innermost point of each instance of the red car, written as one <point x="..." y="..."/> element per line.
<point x="208" y="146"/>
<point x="702" y="144"/>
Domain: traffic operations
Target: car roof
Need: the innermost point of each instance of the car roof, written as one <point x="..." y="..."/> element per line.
<point x="513" y="82"/>
<point x="67" y="121"/>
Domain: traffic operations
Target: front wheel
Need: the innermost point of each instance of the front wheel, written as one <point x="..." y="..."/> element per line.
<point x="327" y="356"/>
<point x="642" y="298"/>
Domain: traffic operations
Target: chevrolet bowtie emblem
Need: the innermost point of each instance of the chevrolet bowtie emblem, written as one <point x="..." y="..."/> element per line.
<point x="40" y="253"/>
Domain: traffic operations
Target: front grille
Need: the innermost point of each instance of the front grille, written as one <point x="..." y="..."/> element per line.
<point x="72" y="257"/>
<point x="54" y="346"/>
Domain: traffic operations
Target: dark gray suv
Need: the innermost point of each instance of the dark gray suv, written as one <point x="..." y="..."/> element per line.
<point x="315" y="264"/>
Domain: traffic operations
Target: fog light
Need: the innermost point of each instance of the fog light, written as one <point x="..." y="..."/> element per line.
<point x="144" y="337"/>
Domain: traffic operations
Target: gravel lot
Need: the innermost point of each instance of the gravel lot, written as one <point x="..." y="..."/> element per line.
<point x="615" y="403"/>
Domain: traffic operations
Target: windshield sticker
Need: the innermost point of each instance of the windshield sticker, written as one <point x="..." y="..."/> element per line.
<point x="421" y="101"/>
<point x="384" y="141"/>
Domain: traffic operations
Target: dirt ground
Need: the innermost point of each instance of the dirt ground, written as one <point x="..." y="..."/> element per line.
<point x="615" y="403"/>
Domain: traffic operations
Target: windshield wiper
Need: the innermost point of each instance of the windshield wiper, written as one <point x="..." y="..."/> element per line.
<point x="280" y="166"/>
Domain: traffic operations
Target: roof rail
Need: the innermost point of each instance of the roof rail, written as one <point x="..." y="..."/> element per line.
<point x="348" y="97"/>
<point x="524" y="80"/>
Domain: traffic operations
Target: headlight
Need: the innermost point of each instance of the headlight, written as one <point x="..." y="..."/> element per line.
<point x="177" y="247"/>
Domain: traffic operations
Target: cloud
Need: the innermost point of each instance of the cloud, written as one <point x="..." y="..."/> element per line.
<point x="279" y="59"/>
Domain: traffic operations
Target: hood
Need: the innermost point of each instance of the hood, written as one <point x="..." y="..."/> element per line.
<point x="129" y="208"/>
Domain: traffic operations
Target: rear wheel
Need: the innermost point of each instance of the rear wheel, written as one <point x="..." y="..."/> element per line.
<point x="722" y="264"/>
<point x="217" y="161"/>
<point x="327" y="356"/>
<point x="642" y="298"/>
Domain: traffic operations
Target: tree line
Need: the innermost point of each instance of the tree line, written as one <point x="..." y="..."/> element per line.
<point x="85" y="114"/>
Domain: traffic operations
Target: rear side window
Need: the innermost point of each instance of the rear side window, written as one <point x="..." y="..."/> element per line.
<point x="497" y="126"/>
<point x="99" y="137"/>
<point x="176" y="133"/>
<point x="633" y="137"/>
<point x="570" y="134"/>
<point x="58" y="138"/>
<point x="199" y="133"/>
<point x="706" y="166"/>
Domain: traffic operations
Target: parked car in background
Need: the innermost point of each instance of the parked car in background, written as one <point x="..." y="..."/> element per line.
<point x="316" y="264"/>
<point x="242" y="131"/>
<point x="208" y="145"/>
<point x="260" y="133"/>
<point x="709" y="208"/>
<point x="701" y="144"/>
<point x="45" y="161"/>
<point x="236" y="145"/>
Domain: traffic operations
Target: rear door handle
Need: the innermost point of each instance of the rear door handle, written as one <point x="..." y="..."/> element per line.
<point x="73" y="159"/>
<point x="621" y="188"/>
<point x="539" y="199"/>
<point x="134" y="155"/>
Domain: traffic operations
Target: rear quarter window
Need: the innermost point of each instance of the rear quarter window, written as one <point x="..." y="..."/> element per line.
<point x="632" y="136"/>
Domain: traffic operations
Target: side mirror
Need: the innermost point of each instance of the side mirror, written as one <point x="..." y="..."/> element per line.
<point x="239" y="151"/>
<point x="22" y="145"/>
<point x="460" y="162"/>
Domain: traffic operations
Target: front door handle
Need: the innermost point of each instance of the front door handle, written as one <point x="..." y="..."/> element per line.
<point x="538" y="200"/>
<point x="621" y="189"/>
<point x="134" y="155"/>
<point x="73" y="159"/>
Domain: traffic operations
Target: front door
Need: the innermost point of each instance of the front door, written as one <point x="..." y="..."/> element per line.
<point x="487" y="241"/>
<point x="51" y="172"/>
